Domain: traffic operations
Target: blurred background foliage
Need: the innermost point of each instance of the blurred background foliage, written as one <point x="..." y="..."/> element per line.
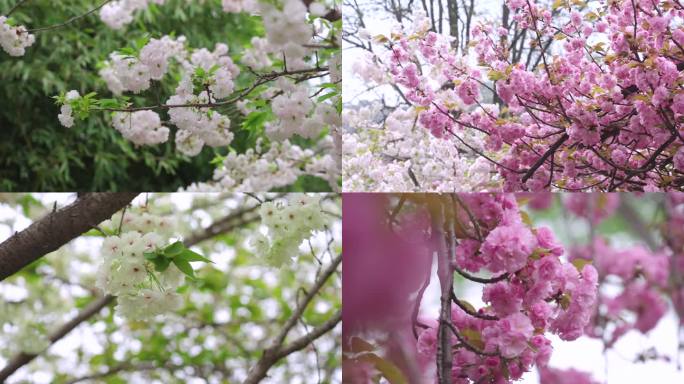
<point x="38" y="154"/>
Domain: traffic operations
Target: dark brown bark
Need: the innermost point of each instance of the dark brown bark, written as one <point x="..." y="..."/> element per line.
<point x="58" y="228"/>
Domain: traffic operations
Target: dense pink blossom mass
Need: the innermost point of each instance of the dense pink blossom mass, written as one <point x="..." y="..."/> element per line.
<point x="539" y="294"/>
<point x="531" y="285"/>
<point x="531" y="293"/>
<point x="602" y="110"/>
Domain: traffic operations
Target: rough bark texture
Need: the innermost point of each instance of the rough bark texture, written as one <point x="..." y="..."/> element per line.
<point x="58" y="228"/>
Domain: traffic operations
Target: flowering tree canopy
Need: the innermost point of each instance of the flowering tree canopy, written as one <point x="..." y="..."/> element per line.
<point x="266" y="101"/>
<point x="554" y="95"/>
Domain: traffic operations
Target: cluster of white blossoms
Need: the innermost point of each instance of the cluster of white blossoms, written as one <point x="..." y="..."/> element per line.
<point x="14" y="40"/>
<point x="287" y="30"/>
<point x="206" y="79"/>
<point x="117" y="14"/>
<point x="256" y="56"/>
<point x="123" y="72"/>
<point x="289" y="222"/>
<point x="142" y="292"/>
<point x="297" y="114"/>
<point x="399" y="156"/>
<point x="66" y="117"/>
<point x="141" y="127"/>
<point x="197" y="126"/>
<point x="277" y="167"/>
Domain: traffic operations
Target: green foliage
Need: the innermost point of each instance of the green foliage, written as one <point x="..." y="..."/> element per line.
<point x="177" y="254"/>
<point x="37" y="153"/>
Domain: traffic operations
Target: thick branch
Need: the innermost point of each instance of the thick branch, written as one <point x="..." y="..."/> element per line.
<point x="58" y="228"/>
<point x="241" y="94"/>
<point x="444" y="236"/>
<point x="554" y="147"/>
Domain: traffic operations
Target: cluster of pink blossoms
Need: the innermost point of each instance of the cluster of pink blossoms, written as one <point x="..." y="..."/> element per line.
<point x="642" y="274"/>
<point x="674" y="235"/>
<point x="602" y="113"/>
<point x="532" y="293"/>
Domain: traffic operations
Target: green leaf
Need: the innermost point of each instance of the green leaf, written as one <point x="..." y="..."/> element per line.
<point x="565" y="301"/>
<point x="580" y="263"/>
<point x="174" y="249"/>
<point x="193" y="256"/>
<point x="466" y="304"/>
<point x="161" y="264"/>
<point x="388" y="369"/>
<point x="184" y="266"/>
<point x="473" y="337"/>
<point x="327" y="96"/>
<point x="495" y="75"/>
<point x="360" y="345"/>
<point x="538" y="253"/>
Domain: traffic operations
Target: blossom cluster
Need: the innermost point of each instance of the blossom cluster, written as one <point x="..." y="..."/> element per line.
<point x="14" y="40"/>
<point x="260" y="169"/>
<point x="235" y="6"/>
<point x="642" y="274"/>
<point x="674" y="233"/>
<point x="125" y="72"/>
<point x="282" y="102"/>
<point x="289" y="223"/>
<point x="601" y="111"/>
<point x="534" y="293"/>
<point x="388" y="157"/>
<point x="141" y="127"/>
<point x="66" y="117"/>
<point x="117" y="14"/>
<point x="142" y="292"/>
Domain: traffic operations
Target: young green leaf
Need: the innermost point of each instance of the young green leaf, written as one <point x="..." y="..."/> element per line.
<point x="161" y="264"/>
<point x="174" y="249"/>
<point x="184" y="266"/>
<point x="193" y="256"/>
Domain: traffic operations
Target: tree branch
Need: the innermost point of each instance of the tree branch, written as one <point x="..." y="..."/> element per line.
<point x="73" y="19"/>
<point x="22" y="359"/>
<point x="307" y="339"/>
<point x="91" y="310"/>
<point x="276" y="351"/>
<point x="233" y="220"/>
<point x="58" y="228"/>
